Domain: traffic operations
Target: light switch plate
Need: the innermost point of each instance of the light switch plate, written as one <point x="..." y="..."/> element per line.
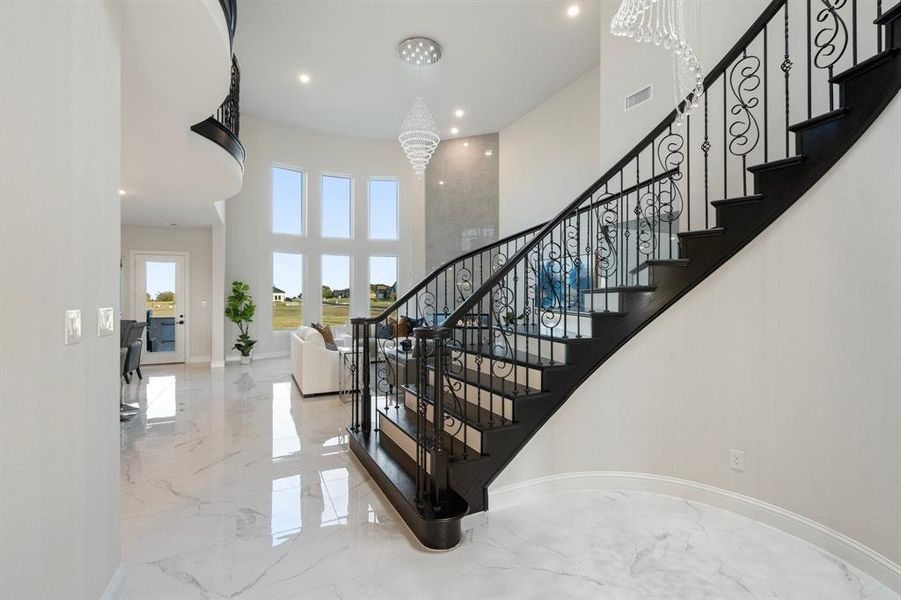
<point x="106" y="323"/>
<point x="737" y="460"/>
<point x="73" y="326"/>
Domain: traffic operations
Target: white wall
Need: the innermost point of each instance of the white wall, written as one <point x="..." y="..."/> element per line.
<point x="550" y="155"/>
<point x="789" y="351"/>
<point x="59" y="249"/>
<point x="198" y="244"/>
<point x="250" y="241"/>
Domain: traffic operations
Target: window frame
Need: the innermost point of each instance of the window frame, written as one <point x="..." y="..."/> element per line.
<point x="303" y="285"/>
<point x="304" y="204"/>
<point x="369" y="181"/>
<point x="336" y="175"/>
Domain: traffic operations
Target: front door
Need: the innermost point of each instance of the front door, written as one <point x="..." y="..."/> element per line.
<point x="160" y="300"/>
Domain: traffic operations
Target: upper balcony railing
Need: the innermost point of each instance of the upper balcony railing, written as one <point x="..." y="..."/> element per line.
<point x="224" y="126"/>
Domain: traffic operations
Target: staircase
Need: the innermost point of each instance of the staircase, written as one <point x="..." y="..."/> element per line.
<point x="457" y="375"/>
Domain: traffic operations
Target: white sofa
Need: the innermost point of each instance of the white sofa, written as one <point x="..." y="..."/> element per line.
<point x="315" y="368"/>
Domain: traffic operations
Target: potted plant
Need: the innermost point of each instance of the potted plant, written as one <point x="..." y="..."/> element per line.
<point x="239" y="310"/>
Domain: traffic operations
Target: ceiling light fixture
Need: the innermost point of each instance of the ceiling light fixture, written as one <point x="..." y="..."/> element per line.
<point x="419" y="135"/>
<point x="573" y="11"/>
<point x="304" y="78"/>
<point x="121" y="192"/>
<point x="466" y="144"/>
<point x="419" y="50"/>
<point x="455" y="130"/>
<point x="459" y="113"/>
<point x="440" y="183"/>
<point x="489" y="152"/>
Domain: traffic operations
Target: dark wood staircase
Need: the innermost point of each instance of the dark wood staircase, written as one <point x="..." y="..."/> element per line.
<point x="495" y="380"/>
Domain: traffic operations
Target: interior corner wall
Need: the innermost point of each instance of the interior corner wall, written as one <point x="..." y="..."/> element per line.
<point x="789" y="352"/>
<point x="197" y="242"/>
<point x="248" y="230"/>
<point x="550" y="155"/>
<point x="461" y="197"/>
<point x="59" y="250"/>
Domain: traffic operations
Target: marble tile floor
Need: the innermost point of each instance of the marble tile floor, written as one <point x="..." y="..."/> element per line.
<point x="235" y="486"/>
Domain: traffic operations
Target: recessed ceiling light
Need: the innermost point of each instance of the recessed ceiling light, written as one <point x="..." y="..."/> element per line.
<point x="304" y="78"/>
<point x="489" y="152"/>
<point x="455" y="130"/>
<point x="440" y="183"/>
<point x="466" y="144"/>
<point x="121" y="192"/>
<point x="573" y="10"/>
<point x="459" y="113"/>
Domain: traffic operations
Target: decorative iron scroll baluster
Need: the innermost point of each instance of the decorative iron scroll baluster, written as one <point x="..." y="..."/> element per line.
<point x="831" y="41"/>
<point x="744" y="131"/>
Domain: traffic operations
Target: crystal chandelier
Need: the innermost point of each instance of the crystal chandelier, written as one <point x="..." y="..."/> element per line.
<point x="419" y="136"/>
<point x="663" y="22"/>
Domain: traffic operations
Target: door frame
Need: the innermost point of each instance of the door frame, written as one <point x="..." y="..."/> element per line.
<point x="140" y="315"/>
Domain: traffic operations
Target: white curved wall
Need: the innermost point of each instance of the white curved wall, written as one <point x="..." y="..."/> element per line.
<point x="791" y="352"/>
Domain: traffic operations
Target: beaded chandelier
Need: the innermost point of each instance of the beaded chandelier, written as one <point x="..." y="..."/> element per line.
<point x="663" y="22"/>
<point x="419" y="135"/>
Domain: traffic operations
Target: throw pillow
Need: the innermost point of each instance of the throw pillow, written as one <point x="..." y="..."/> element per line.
<point x="403" y="328"/>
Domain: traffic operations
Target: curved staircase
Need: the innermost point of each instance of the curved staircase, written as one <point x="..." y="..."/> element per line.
<point x="461" y="371"/>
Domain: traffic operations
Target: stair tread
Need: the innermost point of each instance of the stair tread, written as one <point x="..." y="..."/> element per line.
<point x="399" y="471"/>
<point x="822" y="118"/>
<point x="518" y="357"/>
<point x="541" y="332"/>
<point x="777" y="164"/>
<point x="492" y="383"/>
<point x="477" y="417"/>
<point x="889" y="15"/>
<point x="702" y="232"/>
<point x="618" y="289"/>
<point x="660" y="262"/>
<point x="738" y="200"/>
<point x="864" y="65"/>
<point x="405" y="418"/>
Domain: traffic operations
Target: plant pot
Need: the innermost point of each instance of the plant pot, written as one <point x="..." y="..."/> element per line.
<point x="245" y="359"/>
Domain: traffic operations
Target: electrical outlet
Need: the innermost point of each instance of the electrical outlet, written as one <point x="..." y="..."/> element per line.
<point x="737" y="460"/>
<point x="73" y="326"/>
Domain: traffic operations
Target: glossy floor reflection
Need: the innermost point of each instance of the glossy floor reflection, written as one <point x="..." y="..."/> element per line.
<point x="234" y="486"/>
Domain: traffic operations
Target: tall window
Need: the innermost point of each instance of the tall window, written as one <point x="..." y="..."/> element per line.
<point x="336" y="206"/>
<point x="382" y="283"/>
<point x="287" y="201"/>
<point x="335" y="289"/>
<point x="383" y="209"/>
<point x="287" y="290"/>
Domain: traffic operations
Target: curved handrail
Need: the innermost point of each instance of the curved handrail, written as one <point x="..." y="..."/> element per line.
<point x="719" y="69"/>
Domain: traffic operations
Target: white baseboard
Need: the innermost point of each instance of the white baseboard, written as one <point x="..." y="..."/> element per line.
<point x="116" y="588"/>
<point x="262" y="356"/>
<point x="851" y="551"/>
<point x="217" y="364"/>
<point x="198" y="359"/>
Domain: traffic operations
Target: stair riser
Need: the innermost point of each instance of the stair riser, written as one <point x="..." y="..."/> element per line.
<point x="498" y="405"/>
<point x="471" y="437"/>
<point x="573" y="325"/>
<point x="503" y="369"/>
<point x="546" y="349"/>
<point x="601" y="301"/>
<point x="696" y="247"/>
<point x="401" y="440"/>
<point x="737" y="215"/>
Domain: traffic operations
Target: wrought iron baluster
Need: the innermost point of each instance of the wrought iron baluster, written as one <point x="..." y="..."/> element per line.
<point x="809" y="64"/>
<point x="705" y="147"/>
<point x="766" y="105"/>
<point x="879" y="29"/>
<point x="786" y="67"/>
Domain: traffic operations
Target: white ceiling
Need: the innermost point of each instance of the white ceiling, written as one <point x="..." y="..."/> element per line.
<point x="501" y="59"/>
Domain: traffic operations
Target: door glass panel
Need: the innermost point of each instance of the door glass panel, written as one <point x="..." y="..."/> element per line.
<point x="160" y="306"/>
